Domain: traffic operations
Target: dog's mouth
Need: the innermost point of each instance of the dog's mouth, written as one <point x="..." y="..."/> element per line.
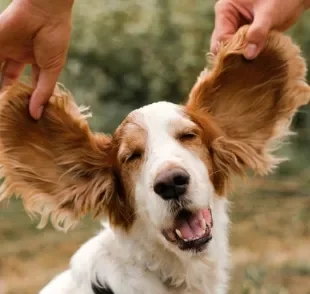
<point x="191" y="230"/>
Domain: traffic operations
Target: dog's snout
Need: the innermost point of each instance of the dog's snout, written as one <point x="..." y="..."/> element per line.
<point x="172" y="184"/>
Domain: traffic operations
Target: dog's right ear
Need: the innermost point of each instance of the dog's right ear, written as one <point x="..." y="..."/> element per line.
<point x="57" y="165"/>
<point x="246" y="107"/>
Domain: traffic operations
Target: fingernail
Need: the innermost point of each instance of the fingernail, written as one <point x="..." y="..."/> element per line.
<point x="251" y="51"/>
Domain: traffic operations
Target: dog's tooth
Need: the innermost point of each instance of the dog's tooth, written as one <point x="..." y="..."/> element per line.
<point x="200" y="216"/>
<point x="203" y="224"/>
<point x="200" y="234"/>
<point x="179" y="233"/>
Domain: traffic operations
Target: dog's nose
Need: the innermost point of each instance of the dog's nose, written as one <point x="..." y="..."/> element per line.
<point x="171" y="184"/>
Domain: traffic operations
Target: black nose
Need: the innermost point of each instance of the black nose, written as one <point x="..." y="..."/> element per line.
<point x="171" y="184"/>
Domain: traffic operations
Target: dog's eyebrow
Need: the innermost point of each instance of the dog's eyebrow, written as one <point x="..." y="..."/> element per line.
<point x="135" y="122"/>
<point x="130" y="124"/>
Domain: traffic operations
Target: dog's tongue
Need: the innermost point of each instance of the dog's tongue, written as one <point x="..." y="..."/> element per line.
<point x="194" y="226"/>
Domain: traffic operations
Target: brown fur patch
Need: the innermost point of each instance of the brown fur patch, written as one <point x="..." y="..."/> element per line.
<point x="57" y="165"/>
<point x="248" y="104"/>
<point x="130" y="139"/>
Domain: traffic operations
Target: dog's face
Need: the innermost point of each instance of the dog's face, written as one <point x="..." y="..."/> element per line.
<point x="165" y="167"/>
<point x="165" y="163"/>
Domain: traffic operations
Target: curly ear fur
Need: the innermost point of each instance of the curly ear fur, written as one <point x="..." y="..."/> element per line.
<point x="251" y="102"/>
<point x="57" y="165"/>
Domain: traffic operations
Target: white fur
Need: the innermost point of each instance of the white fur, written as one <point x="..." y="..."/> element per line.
<point x="143" y="261"/>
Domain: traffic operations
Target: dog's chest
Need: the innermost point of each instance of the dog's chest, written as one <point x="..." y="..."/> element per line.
<point x="193" y="277"/>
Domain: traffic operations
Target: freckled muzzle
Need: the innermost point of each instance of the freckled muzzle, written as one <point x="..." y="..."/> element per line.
<point x="191" y="230"/>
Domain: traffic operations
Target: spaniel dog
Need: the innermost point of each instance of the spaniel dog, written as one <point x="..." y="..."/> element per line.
<point x="161" y="181"/>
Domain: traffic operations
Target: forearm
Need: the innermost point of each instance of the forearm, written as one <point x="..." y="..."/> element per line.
<point x="307" y="4"/>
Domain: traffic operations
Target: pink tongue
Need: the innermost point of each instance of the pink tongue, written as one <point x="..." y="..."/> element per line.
<point x="196" y="225"/>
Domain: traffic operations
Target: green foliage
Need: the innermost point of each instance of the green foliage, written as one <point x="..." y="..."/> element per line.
<point x="4" y="4"/>
<point x="125" y="54"/>
<point x="301" y="34"/>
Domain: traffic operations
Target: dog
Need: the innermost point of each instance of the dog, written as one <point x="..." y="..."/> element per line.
<point x="160" y="182"/>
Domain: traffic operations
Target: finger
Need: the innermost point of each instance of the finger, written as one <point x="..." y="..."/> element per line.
<point x="227" y="21"/>
<point x="35" y="75"/>
<point x="217" y="40"/>
<point x="43" y="91"/>
<point x="11" y="72"/>
<point x="258" y="33"/>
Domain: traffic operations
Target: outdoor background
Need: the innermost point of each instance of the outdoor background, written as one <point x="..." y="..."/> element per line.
<point x="127" y="53"/>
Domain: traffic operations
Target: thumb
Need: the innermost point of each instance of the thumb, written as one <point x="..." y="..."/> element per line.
<point x="258" y="33"/>
<point x="44" y="90"/>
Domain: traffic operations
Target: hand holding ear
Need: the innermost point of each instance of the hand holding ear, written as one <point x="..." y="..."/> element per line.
<point x="262" y="15"/>
<point x="35" y="32"/>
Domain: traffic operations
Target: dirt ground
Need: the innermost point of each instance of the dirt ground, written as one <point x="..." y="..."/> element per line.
<point x="270" y="241"/>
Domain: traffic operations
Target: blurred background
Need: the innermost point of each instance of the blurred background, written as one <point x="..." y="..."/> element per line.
<point x="125" y="54"/>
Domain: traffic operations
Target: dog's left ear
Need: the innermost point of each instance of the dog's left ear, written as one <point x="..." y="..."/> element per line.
<point x="60" y="169"/>
<point x="250" y="103"/>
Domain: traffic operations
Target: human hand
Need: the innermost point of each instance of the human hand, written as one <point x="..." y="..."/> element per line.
<point x="263" y="15"/>
<point x="35" y="32"/>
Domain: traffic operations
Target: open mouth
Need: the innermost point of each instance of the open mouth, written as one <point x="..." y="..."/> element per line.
<point x="191" y="230"/>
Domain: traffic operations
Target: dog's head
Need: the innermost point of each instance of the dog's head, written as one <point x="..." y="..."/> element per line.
<point x="165" y="163"/>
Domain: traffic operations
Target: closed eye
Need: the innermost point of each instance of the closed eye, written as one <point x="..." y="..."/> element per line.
<point x="133" y="157"/>
<point x="187" y="136"/>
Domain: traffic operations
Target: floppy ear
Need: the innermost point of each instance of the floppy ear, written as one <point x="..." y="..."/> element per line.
<point x="59" y="168"/>
<point x="251" y="103"/>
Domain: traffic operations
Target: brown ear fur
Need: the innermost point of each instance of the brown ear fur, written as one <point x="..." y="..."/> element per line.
<point x="251" y="102"/>
<point x="59" y="168"/>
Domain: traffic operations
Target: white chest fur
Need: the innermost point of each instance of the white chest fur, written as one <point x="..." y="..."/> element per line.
<point x="138" y="263"/>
